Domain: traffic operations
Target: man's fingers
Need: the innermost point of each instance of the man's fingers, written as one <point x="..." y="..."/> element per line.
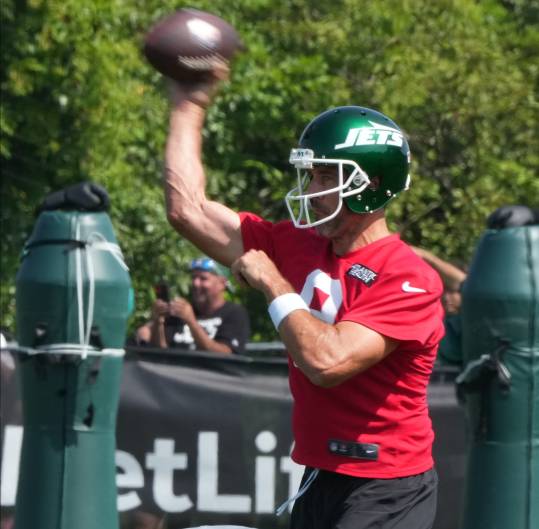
<point x="221" y="72"/>
<point x="236" y="268"/>
<point x="200" y="92"/>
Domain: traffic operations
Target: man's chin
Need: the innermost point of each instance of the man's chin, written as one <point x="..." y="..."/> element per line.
<point x="321" y="229"/>
<point x="326" y="228"/>
<point x="198" y="300"/>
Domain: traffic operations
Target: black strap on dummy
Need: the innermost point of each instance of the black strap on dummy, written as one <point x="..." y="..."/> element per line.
<point x="84" y="196"/>
<point x="512" y="217"/>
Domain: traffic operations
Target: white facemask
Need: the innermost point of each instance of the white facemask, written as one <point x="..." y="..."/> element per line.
<point x="298" y="202"/>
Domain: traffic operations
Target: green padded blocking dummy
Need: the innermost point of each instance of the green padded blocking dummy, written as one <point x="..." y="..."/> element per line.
<point x="73" y="300"/>
<point x="499" y="384"/>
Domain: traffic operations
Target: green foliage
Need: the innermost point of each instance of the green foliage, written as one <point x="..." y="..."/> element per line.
<point x="79" y="102"/>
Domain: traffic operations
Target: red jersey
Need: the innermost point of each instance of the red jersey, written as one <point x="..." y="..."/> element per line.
<point x="384" y="286"/>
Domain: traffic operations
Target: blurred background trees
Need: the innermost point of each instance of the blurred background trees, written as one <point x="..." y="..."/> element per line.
<point x="78" y="102"/>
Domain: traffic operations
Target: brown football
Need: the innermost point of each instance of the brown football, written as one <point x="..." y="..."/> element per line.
<point x="189" y="44"/>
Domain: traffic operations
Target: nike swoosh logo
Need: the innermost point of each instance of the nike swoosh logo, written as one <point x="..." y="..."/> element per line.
<point x="406" y="287"/>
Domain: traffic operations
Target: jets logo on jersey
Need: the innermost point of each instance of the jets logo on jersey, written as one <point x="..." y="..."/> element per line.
<point x="375" y="135"/>
<point x="364" y="274"/>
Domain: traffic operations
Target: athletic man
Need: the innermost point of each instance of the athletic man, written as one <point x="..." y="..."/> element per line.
<point x="357" y="309"/>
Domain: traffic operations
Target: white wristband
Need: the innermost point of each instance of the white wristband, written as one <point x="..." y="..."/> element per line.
<point x="283" y="305"/>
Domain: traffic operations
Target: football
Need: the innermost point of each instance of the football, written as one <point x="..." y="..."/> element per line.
<point x="189" y="44"/>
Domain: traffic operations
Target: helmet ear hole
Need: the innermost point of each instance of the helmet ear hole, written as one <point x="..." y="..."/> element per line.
<point x="375" y="184"/>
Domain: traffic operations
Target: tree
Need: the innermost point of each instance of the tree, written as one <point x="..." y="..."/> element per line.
<point x="79" y="102"/>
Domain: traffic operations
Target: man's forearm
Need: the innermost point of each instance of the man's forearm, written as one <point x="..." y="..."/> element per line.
<point x="204" y="342"/>
<point x="158" y="338"/>
<point x="451" y="275"/>
<point x="184" y="173"/>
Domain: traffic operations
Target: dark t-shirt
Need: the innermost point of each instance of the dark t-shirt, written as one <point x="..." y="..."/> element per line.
<point x="229" y="324"/>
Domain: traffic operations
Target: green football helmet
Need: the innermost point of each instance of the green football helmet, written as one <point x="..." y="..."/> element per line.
<point x="364" y="145"/>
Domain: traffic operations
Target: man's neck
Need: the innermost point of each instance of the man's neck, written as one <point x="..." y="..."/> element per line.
<point x="363" y="230"/>
<point x="209" y="308"/>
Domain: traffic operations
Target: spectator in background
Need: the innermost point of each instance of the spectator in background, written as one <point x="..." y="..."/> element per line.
<point x="510" y="216"/>
<point x="452" y="278"/>
<point x="208" y="323"/>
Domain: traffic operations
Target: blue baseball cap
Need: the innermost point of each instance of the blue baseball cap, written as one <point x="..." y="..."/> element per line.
<point x="209" y="265"/>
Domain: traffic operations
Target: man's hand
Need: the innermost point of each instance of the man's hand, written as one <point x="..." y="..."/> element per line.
<point x="256" y="269"/>
<point x="181" y="308"/>
<point x="200" y="93"/>
<point x="159" y="310"/>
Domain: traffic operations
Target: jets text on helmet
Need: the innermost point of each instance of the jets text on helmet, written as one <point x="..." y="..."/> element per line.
<point x="375" y="135"/>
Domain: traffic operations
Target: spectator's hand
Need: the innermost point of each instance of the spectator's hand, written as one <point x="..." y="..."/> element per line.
<point x="160" y="309"/>
<point x="181" y="308"/>
<point x="144" y="334"/>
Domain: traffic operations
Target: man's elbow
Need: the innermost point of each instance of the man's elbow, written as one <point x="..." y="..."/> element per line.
<point x="179" y="217"/>
<point x="181" y="206"/>
<point x="175" y="217"/>
<point x="323" y="376"/>
<point x="329" y="376"/>
<point x="323" y="381"/>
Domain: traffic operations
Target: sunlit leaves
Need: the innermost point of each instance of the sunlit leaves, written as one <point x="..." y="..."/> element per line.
<point x="79" y="102"/>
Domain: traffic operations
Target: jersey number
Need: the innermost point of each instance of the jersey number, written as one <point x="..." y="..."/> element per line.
<point x="323" y="295"/>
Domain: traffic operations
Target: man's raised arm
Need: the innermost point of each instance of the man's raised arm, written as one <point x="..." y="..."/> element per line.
<point x="210" y="226"/>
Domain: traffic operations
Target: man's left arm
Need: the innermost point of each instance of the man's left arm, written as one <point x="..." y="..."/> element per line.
<point x="203" y="340"/>
<point x="327" y="354"/>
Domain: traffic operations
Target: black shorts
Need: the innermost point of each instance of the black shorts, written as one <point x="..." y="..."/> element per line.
<point x="337" y="501"/>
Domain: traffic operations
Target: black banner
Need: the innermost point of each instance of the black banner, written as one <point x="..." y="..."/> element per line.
<point x="205" y="439"/>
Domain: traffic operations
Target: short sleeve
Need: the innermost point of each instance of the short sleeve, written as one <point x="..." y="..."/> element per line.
<point x="403" y="307"/>
<point x="257" y="233"/>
